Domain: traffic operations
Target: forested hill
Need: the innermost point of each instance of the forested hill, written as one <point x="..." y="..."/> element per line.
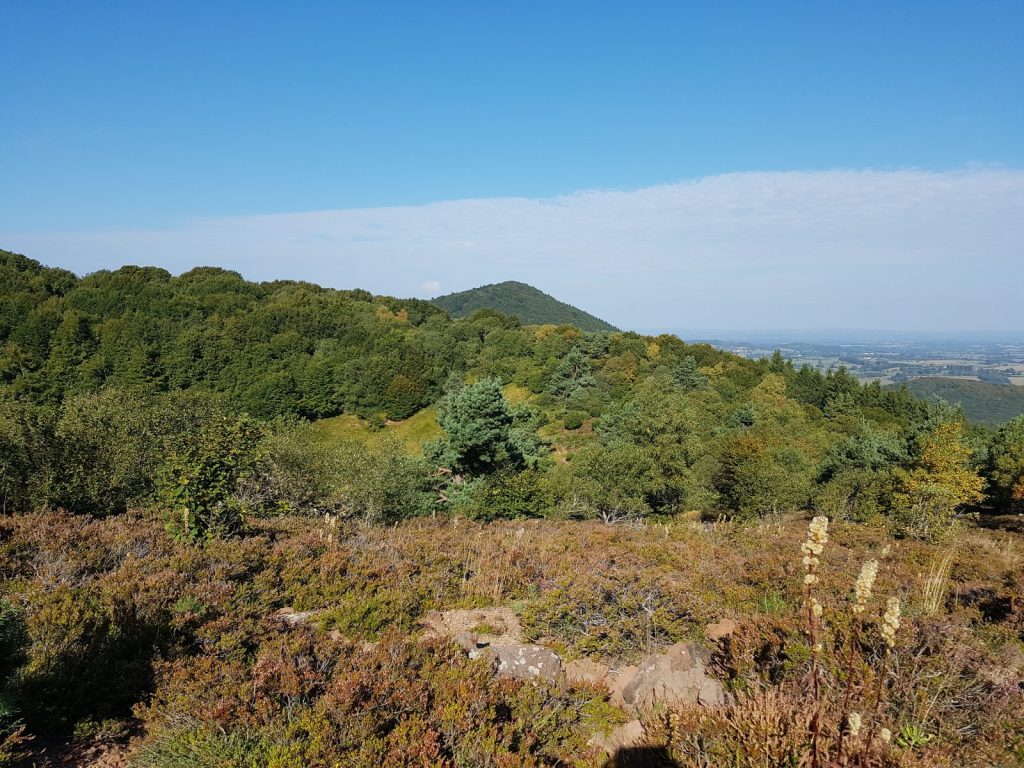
<point x="530" y="305"/>
<point x="288" y="347"/>
<point x="101" y="376"/>
<point x="982" y="401"/>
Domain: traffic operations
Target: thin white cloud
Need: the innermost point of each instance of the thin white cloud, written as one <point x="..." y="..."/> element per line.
<point x="846" y="248"/>
<point x="431" y="286"/>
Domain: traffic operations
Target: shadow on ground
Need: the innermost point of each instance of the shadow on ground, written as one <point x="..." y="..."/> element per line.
<point x="641" y="757"/>
<point x="1002" y="521"/>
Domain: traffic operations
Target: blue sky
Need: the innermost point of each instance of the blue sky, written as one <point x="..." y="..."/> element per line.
<point x="133" y="130"/>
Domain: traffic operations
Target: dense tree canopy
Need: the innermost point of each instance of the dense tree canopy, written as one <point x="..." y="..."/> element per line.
<point x="98" y="375"/>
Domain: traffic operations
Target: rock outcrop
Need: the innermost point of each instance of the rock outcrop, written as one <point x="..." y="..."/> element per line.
<point x="677" y="676"/>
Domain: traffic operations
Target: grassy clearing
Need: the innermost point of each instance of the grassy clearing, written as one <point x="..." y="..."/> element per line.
<point x="516" y="394"/>
<point x="411" y="432"/>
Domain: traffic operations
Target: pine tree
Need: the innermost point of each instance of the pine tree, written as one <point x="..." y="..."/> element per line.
<point x="478" y="422"/>
<point x="687" y="375"/>
<point x="572" y="375"/>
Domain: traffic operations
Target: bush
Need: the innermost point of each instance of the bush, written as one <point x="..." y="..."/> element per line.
<point x="1005" y="468"/>
<point x="507" y="495"/>
<point x="574" y="419"/>
<point x="298" y="472"/>
<point x="756" y="477"/>
<point x="383" y="485"/>
<point x="615" y="483"/>
<point x="25" y="461"/>
<point x="201" y="475"/>
<point x="108" y="450"/>
<point x="857" y="494"/>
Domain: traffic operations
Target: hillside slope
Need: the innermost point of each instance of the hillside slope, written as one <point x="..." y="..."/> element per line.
<point x="985" y="403"/>
<point x="532" y="306"/>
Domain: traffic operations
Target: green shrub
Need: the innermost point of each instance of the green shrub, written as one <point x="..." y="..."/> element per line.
<point x="201" y="475"/>
<point x="201" y="745"/>
<point x="508" y="495"/>
<point x="609" y="616"/>
<point x="574" y="419"/>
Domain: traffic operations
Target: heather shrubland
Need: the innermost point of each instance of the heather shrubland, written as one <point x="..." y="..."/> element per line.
<point x="126" y="630"/>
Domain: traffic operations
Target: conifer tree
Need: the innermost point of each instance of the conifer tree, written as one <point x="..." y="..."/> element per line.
<point x="687" y="375"/>
<point x="1005" y="468"/>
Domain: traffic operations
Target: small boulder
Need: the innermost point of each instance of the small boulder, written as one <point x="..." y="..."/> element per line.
<point x="468" y="641"/>
<point x="677" y="676"/>
<point x="617" y="682"/>
<point x="293" y="618"/>
<point x="720" y="630"/>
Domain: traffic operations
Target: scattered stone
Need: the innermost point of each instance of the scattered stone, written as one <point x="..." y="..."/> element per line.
<point x="1008" y="669"/>
<point x="468" y="641"/>
<point x="720" y="630"/>
<point x="678" y="676"/>
<point x="1012" y="655"/>
<point x="618" y="681"/>
<point x="294" y="618"/>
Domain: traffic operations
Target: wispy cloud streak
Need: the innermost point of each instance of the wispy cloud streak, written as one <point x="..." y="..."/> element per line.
<point x="847" y="248"/>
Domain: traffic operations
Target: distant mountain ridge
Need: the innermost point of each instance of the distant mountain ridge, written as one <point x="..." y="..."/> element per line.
<point x="985" y="403"/>
<point x="531" y="305"/>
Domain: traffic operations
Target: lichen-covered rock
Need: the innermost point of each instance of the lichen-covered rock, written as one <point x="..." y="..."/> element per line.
<point x="525" y="661"/>
<point x="677" y="676"/>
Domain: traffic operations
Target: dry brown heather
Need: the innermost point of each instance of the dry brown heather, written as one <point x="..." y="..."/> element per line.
<point x="123" y="620"/>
